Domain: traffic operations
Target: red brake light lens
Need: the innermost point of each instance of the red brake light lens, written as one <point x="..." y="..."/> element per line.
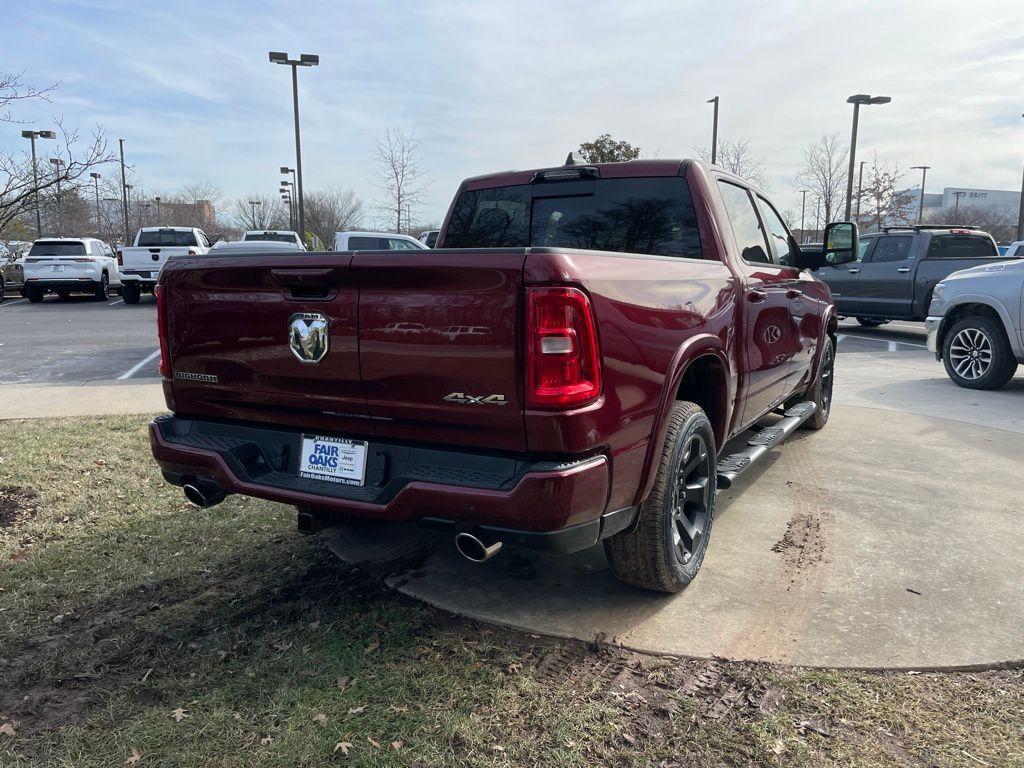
<point x="562" y="360"/>
<point x="120" y="258"/>
<point x="161" y="330"/>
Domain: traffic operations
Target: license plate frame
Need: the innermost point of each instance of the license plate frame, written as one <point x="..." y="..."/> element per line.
<point x="338" y="460"/>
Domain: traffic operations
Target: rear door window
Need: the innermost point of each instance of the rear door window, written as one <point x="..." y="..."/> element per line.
<point x="166" y="238"/>
<point x="746" y="227"/>
<point x="961" y="247"/>
<point x="368" y="244"/>
<point x="395" y="244"/>
<point x="893" y="248"/>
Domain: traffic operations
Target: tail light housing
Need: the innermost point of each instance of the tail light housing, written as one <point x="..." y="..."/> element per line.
<point x="161" y="330"/>
<point x="120" y="258"/>
<point x="563" y="368"/>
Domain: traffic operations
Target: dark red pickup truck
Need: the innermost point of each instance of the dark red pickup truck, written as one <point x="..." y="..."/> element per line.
<point x="564" y="369"/>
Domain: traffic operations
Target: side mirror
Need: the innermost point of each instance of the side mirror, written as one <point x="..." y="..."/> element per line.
<point x="840" y="247"/>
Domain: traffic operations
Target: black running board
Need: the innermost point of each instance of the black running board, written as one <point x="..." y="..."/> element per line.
<point x="731" y="467"/>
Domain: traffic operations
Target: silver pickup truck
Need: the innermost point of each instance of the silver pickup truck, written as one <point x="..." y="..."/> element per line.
<point x="975" y="324"/>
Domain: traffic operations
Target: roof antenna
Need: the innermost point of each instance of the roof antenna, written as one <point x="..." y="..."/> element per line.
<point x="575" y="158"/>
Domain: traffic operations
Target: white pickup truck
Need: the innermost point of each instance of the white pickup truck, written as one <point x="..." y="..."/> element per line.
<point x="140" y="264"/>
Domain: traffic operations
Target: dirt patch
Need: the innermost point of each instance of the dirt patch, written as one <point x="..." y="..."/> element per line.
<point x="17" y="505"/>
<point x="803" y="544"/>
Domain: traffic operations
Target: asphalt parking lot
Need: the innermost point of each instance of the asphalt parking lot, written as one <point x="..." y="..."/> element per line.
<point x="77" y="341"/>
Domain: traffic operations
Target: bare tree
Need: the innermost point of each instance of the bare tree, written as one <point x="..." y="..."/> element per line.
<point x="737" y="157"/>
<point x="399" y="176"/>
<point x="1001" y="223"/>
<point x="881" y="203"/>
<point x="824" y="174"/>
<point x="268" y="213"/>
<point x="13" y="89"/>
<point x="330" y="211"/>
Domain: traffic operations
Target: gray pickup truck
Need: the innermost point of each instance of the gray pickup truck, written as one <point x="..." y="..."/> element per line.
<point x="898" y="268"/>
<point x="976" y="324"/>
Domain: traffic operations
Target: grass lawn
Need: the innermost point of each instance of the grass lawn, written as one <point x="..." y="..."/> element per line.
<point x="136" y="629"/>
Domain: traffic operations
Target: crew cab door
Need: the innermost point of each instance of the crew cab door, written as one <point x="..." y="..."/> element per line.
<point x="886" y="280"/>
<point x="843" y="280"/>
<point x="770" y="338"/>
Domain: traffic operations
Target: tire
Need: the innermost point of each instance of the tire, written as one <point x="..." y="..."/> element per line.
<point x="103" y="289"/>
<point x="977" y="354"/>
<point x="659" y="554"/>
<point x="34" y="295"/>
<point x="821" y="393"/>
<point x="869" y="322"/>
<point x="130" y="293"/>
<point x="3" y="291"/>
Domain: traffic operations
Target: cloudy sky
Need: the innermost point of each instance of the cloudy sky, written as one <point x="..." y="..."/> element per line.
<point x="488" y="85"/>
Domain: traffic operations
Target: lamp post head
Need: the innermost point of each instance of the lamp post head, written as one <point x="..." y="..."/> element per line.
<point x="309" y="59"/>
<point x="712" y="100"/>
<point x="278" y="57"/>
<point x="286" y="169"/>
<point x="47" y="135"/>
<point x="97" y="176"/>
<point x="864" y="98"/>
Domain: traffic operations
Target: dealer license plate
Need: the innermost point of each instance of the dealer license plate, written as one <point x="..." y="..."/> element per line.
<point x="333" y="459"/>
<point x="57" y="268"/>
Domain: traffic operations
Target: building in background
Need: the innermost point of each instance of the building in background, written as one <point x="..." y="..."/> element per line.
<point x="994" y="210"/>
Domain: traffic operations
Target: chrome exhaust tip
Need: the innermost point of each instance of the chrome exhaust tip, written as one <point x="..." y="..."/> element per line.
<point x="478" y="549"/>
<point x="203" y="494"/>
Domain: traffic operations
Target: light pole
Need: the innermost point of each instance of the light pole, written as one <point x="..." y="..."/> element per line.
<point x="96" y="182"/>
<point x="124" y="196"/>
<point x="252" y="205"/>
<point x="32" y="136"/>
<point x="304" y="60"/>
<point x="857" y="100"/>
<point x="956" y="205"/>
<point x="127" y="204"/>
<point x="56" y="162"/>
<point x="924" y="175"/>
<point x="157" y="199"/>
<point x="860" y="185"/>
<point x="803" y="207"/>
<point x="714" y="131"/>
<point x="286" y="197"/>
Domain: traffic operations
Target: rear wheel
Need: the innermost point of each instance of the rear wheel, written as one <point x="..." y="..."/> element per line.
<point x="869" y="322"/>
<point x="977" y="354"/>
<point x="130" y="293"/>
<point x="103" y="289"/>
<point x="821" y="393"/>
<point x="34" y="295"/>
<point x="667" y="547"/>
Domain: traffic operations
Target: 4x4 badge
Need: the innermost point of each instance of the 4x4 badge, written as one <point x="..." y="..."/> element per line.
<point x="463" y="399"/>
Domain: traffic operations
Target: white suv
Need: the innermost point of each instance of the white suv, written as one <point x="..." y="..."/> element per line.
<point x="66" y="265"/>
<point x="274" y="236"/>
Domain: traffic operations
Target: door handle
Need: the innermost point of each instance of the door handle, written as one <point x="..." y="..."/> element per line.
<point x="854" y="271"/>
<point x="794" y="293"/>
<point x="903" y="269"/>
<point x="756" y="294"/>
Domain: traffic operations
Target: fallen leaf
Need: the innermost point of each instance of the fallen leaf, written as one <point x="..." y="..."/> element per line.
<point x="396" y="745"/>
<point x="282" y="645"/>
<point x="134" y="758"/>
<point x="145" y="677"/>
<point x="373" y="646"/>
<point x="320" y="717"/>
<point x="179" y="714"/>
<point x="342" y="682"/>
<point x="100" y="463"/>
<point x="357" y="710"/>
<point x="314" y="625"/>
<point x="7" y="729"/>
<point x="375" y="743"/>
<point x="343" y="747"/>
<point x="399" y="708"/>
<point x="266" y="740"/>
<point x="19" y="556"/>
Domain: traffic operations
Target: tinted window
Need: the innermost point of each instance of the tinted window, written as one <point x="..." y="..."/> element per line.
<point x="961" y="247"/>
<point x="645" y="215"/>
<point x="395" y="244"/>
<point x="490" y="218"/>
<point x="778" y="235"/>
<point x="892" y="249"/>
<point x="431" y="240"/>
<point x="159" y="238"/>
<point x="367" y="244"/>
<point x="56" y="248"/>
<point x="272" y="237"/>
<point x="745" y="225"/>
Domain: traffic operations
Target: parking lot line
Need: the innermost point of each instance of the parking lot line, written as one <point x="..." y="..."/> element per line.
<point x="115" y="302"/>
<point x="138" y="366"/>
<point x="890" y="342"/>
<point x="9" y="303"/>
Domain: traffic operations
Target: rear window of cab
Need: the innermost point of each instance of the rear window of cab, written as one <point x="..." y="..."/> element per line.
<point x="57" y="248"/>
<point x="957" y="246"/>
<point x="634" y="215"/>
<point x="164" y="238"/>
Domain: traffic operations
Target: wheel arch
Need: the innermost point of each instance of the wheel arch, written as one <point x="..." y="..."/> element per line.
<point x="974" y="305"/>
<point x="699" y="372"/>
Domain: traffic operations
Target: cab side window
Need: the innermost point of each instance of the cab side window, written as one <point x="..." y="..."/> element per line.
<point x="746" y="226"/>
<point x="895" y="248"/>
<point x="778" y="234"/>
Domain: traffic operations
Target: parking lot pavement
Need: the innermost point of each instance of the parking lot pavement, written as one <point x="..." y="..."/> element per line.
<point x="77" y="341"/>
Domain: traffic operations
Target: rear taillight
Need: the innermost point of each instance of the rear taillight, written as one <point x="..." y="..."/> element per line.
<point x="161" y="330"/>
<point x="120" y="258"/>
<point x="563" y="368"/>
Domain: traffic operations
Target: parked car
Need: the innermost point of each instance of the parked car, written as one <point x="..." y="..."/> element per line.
<point x="639" y="315"/>
<point x="375" y="241"/>
<point x="897" y="269"/>
<point x="66" y="265"/>
<point x="224" y="247"/>
<point x="140" y="264"/>
<point x="274" y="236"/>
<point x="429" y="238"/>
<point x="1015" y="250"/>
<point x="12" y="272"/>
<point x="976" y="324"/>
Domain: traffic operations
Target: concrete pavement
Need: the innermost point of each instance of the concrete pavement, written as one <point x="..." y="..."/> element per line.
<point x="37" y="401"/>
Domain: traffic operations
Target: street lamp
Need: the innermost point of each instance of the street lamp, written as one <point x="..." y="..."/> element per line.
<point x="157" y="199"/>
<point x="124" y="196"/>
<point x="32" y="136"/>
<point x="96" y="182"/>
<point x="920" y="206"/>
<point x="304" y="60"/>
<point x="286" y="197"/>
<point x="860" y="186"/>
<point x="252" y="205"/>
<point x="127" y="204"/>
<point x="56" y="162"/>
<point x="857" y="100"/>
<point x="956" y="206"/>
<point x="803" y="207"/>
<point x="714" y="131"/>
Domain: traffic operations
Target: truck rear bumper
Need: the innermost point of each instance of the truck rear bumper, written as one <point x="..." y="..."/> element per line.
<point x="89" y="284"/>
<point x="551" y="505"/>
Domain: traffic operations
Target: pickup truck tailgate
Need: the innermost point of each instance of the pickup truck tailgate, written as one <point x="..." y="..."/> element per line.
<point x="231" y="322"/>
<point x="439" y="345"/>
